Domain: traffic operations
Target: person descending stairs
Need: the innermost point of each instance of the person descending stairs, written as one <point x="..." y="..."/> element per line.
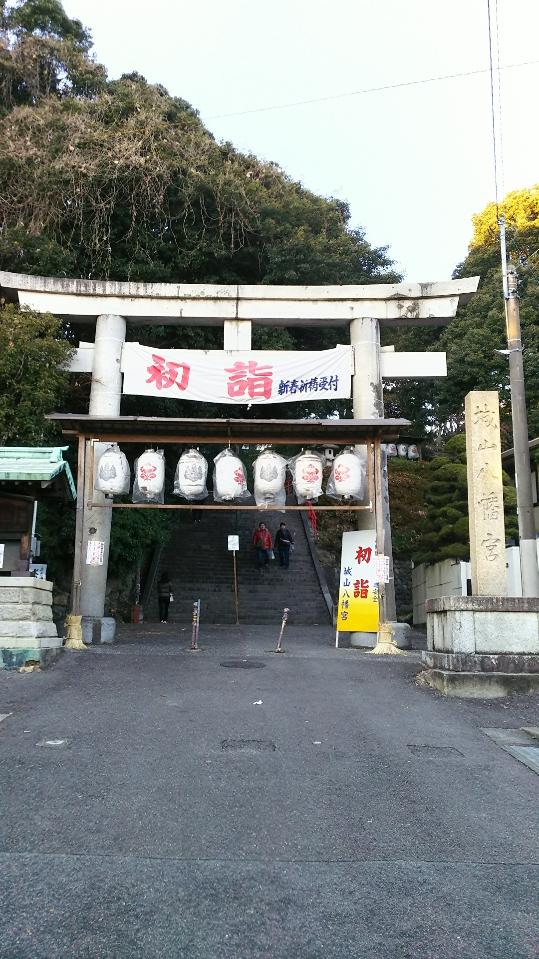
<point x="200" y="566"/>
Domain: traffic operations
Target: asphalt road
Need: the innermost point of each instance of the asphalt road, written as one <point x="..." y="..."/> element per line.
<point x="157" y="804"/>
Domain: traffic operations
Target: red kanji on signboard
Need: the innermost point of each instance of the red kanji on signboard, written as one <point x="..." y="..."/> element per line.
<point x="164" y="373"/>
<point x="250" y="378"/>
<point x="363" y="554"/>
<point x="361" y="589"/>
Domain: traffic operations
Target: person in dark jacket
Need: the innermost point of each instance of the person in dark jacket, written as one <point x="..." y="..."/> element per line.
<point x="283" y="544"/>
<point x="262" y="544"/>
<point x="164" y="592"/>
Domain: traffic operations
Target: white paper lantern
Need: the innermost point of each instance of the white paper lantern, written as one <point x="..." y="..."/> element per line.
<point x="269" y="477"/>
<point x="308" y="475"/>
<point x="413" y="452"/>
<point x="113" y="475"/>
<point x="347" y="475"/>
<point x="150" y="474"/>
<point x="402" y="450"/>
<point x="190" y="478"/>
<point x="229" y="479"/>
<point x="392" y="449"/>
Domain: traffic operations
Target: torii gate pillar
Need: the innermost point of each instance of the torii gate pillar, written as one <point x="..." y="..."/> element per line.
<point x="367" y="402"/>
<point x="105" y="399"/>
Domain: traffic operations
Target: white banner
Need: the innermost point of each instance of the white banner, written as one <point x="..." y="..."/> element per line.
<point x="248" y="376"/>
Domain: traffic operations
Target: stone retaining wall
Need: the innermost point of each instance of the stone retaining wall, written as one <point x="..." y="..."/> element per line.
<point x="27" y="630"/>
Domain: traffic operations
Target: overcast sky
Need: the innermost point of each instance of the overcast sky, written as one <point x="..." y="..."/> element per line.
<point x="414" y="163"/>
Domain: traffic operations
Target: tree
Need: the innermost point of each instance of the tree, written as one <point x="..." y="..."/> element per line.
<point x="33" y="377"/>
<point x="120" y="180"/>
<point x="43" y="53"/>
<point x="445" y="533"/>
<point x="472" y="339"/>
<point x="520" y="210"/>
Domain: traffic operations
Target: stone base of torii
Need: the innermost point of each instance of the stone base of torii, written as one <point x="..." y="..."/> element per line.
<point x="114" y="305"/>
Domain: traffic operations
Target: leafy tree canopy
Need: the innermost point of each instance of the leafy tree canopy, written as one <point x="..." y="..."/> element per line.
<point x="43" y="52"/>
<point x="520" y="210"/>
<point x="471" y="340"/>
<point x="444" y="534"/>
<point x="33" y="357"/>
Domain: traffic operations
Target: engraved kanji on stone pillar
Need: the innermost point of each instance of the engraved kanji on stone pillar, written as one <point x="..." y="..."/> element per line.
<point x="485" y="494"/>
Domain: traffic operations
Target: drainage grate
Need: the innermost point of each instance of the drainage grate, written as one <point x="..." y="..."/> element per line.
<point x="242" y="664"/>
<point x="251" y="745"/>
<point x="435" y="752"/>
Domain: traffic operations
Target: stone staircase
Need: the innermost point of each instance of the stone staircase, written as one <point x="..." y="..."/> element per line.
<point x="200" y="567"/>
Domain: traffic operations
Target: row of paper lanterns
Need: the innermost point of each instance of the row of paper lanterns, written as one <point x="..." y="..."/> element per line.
<point x="410" y="452"/>
<point x="346" y="481"/>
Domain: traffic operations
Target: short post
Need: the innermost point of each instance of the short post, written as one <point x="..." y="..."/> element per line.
<point x="194" y="631"/>
<point x="283" y="624"/>
<point x="233" y="546"/>
<point x="236" y="589"/>
<point x="73" y="638"/>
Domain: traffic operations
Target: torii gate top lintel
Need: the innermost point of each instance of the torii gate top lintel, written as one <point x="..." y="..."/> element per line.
<point x="394" y="304"/>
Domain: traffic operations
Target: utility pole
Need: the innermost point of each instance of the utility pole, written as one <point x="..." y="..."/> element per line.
<point x="529" y="569"/>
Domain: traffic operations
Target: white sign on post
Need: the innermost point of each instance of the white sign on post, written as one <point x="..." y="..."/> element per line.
<point x="95" y="553"/>
<point x="381" y="567"/>
<point x="233" y="543"/>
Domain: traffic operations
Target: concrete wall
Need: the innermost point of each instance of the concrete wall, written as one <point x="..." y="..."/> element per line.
<point x="434" y="580"/>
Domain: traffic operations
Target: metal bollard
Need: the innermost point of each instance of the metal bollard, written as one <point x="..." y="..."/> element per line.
<point x="196" y="625"/>
<point x="283" y="624"/>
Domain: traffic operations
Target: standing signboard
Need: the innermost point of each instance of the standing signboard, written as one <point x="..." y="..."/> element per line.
<point x="358" y="587"/>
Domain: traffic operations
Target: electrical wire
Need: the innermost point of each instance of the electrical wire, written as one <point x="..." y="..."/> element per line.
<point x="493" y="112"/>
<point x="388" y="86"/>
<point x="500" y="121"/>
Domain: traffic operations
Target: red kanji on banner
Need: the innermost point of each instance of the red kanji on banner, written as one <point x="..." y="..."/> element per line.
<point x="164" y="373"/>
<point x="249" y="377"/>
<point x="363" y="554"/>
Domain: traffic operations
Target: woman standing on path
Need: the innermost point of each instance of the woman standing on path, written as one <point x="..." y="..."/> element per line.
<point x="262" y="544"/>
<point x="164" y="593"/>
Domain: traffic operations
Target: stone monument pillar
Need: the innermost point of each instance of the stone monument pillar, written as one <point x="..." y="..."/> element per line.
<point x="487" y="644"/>
<point x="485" y="493"/>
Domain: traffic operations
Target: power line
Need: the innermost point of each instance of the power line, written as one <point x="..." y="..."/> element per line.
<point x="357" y="93"/>
<point x="492" y="112"/>
<point x="500" y="119"/>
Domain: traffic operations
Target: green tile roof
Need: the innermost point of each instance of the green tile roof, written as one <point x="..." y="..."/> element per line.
<point x="35" y="464"/>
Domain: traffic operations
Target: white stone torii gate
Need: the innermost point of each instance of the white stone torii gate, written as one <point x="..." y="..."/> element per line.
<point x="113" y="305"/>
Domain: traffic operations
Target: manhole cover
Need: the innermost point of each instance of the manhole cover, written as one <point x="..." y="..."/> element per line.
<point x="435" y="752"/>
<point x="242" y="664"/>
<point x="253" y="745"/>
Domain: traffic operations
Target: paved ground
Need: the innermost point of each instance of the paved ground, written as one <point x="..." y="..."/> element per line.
<point x="141" y="836"/>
